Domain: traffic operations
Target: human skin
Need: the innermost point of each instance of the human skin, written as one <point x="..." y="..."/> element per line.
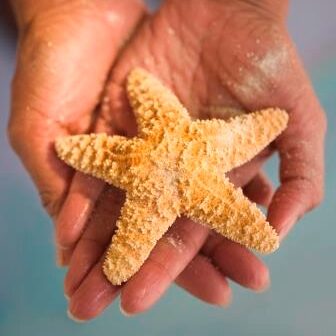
<point x="57" y="84"/>
<point x="55" y="92"/>
<point x="228" y="56"/>
<point x="214" y="53"/>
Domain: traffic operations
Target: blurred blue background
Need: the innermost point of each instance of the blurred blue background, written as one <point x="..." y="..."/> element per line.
<point x="302" y="299"/>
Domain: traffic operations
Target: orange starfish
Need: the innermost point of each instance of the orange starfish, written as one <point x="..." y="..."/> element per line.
<point x="175" y="166"/>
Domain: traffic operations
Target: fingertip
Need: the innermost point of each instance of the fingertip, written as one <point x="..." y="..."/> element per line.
<point x="261" y="281"/>
<point x="264" y="288"/>
<point x="124" y="311"/>
<point x="72" y="317"/>
<point x="93" y="295"/>
<point x="224" y="295"/>
<point x="287" y="206"/>
<point x="227" y="301"/>
<point x="256" y="275"/>
<point x="237" y="263"/>
<point x="136" y="299"/>
<point x="202" y="280"/>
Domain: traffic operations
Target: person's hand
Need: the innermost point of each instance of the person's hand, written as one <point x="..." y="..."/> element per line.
<point x="212" y="54"/>
<point x="65" y="52"/>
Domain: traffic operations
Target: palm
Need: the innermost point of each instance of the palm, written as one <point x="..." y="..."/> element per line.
<point x="64" y="87"/>
<point x="207" y="75"/>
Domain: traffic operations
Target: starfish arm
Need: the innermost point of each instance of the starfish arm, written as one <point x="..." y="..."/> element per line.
<point x="106" y="157"/>
<point x="241" y="138"/>
<point x="143" y="221"/>
<point x="214" y="201"/>
<point x="156" y="107"/>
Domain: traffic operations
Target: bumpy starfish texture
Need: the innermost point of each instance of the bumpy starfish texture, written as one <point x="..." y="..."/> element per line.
<point x="175" y="166"/>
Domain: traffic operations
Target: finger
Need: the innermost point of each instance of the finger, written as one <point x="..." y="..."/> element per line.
<point x="242" y="175"/>
<point x="301" y="150"/>
<point x="92" y="245"/>
<point x="83" y="194"/>
<point x="169" y="257"/>
<point x="168" y="252"/>
<point x="74" y="215"/>
<point x="301" y="145"/>
<point x="152" y="277"/>
<point x="259" y="189"/>
<point x="93" y="296"/>
<point x="201" y="279"/>
<point x="94" y="240"/>
<point x="237" y="263"/>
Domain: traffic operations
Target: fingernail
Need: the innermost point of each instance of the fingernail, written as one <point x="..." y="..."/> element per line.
<point x="62" y="248"/>
<point x="265" y="288"/>
<point x="67" y="296"/>
<point x="227" y="303"/>
<point x="60" y="262"/>
<point x="124" y="312"/>
<point x="73" y="318"/>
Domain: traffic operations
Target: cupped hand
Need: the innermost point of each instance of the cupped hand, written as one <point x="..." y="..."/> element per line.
<point x="65" y="52"/>
<point x="212" y="54"/>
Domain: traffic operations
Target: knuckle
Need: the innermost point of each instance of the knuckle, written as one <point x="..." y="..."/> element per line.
<point x="162" y="268"/>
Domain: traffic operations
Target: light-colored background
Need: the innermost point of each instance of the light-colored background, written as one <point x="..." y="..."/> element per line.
<point x="302" y="300"/>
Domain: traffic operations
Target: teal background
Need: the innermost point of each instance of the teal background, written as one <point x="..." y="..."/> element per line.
<point x="302" y="299"/>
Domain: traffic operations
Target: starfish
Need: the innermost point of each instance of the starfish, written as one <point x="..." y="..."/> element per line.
<point x="175" y="166"/>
